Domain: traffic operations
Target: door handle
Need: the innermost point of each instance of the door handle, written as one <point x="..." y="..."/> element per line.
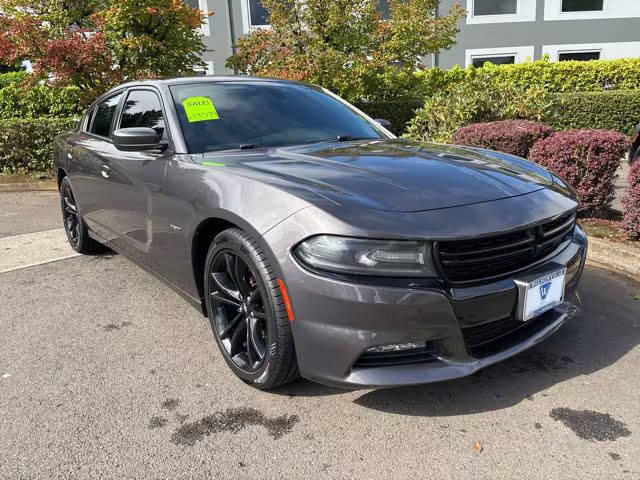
<point x="104" y="171"/>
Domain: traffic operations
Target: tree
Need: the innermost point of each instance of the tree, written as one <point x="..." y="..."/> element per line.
<point x="347" y="45"/>
<point x="95" y="44"/>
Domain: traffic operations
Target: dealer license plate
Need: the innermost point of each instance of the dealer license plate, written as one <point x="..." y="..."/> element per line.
<point x="541" y="294"/>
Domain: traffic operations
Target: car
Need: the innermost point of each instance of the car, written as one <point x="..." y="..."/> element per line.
<point x="317" y="243"/>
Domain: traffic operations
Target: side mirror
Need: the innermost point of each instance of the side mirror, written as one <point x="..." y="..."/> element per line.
<point x="136" y="139"/>
<point x="385" y="123"/>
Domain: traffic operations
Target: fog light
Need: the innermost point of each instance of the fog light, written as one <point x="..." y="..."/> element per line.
<point x="396" y="347"/>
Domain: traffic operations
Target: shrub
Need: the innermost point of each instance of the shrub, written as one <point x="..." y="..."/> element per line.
<point x="473" y="102"/>
<point x="39" y="101"/>
<point x="511" y="136"/>
<point x="631" y="203"/>
<point x="615" y="110"/>
<point x="9" y="78"/>
<point x="27" y="144"/>
<point x="553" y="77"/>
<point x="587" y="160"/>
<point x="398" y="112"/>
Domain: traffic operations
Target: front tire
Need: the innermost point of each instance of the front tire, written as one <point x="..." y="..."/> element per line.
<point x="74" y="226"/>
<point x="247" y="313"/>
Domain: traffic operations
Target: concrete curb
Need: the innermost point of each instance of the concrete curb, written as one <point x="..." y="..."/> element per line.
<point x="615" y="256"/>
<point x="28" y="187"/>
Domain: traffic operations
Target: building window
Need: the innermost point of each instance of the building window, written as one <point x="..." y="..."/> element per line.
<point x="500" y="11"/>
<point x="592" y="51"/>
<point x="204" y="7"/>
<point x="498" y="56"/>
<point x="582" y="5"/>
<point x="496" y="60"/>
<point x="258" y="14"/>
<point x="562" y="10"/>
<point x="579" y="56"/>
<point x="495" y="7"/>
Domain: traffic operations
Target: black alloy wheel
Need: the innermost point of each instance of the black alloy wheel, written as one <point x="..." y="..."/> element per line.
<point x="70" y="215"/>
<point x="247" y="312"/>
<point x="74" y="226"/>
<point x="239" y="315"/>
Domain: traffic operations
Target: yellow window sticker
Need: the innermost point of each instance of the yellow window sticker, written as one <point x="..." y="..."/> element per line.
<point x="199" y="109"/>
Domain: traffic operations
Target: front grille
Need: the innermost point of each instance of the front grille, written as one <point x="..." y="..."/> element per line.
<point x="401" y="357"/>
<point x="478" y="335"/>
<point x="498" y="255"/>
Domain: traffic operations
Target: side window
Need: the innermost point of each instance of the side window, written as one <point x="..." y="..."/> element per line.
<point x="143" y="109"/>
<point x="104" y="115"/>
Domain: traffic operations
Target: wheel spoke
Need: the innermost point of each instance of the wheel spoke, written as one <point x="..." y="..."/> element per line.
<point x="253" y="336"/>
<point x="253" y="295"/>
<point x="249" y="344"/>
<point x="224" y="284"/>
<point x="259" y="314"/>
<point x="224" y="299"/>
<point x="70" y="204"/>
<point x="232" y="326"/>
<point x="231" y="271"/>
<point x="236" y="340"/>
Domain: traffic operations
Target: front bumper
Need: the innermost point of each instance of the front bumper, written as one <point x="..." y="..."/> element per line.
<point x="337" y="321"/>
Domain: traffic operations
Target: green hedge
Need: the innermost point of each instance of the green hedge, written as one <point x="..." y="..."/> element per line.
<point x="39" y="101"/>
<point x="614" y="110"/>
<point x="8" y="78"/>
<point x="553" y="77"/>
<point x="397" y="112"/>
<point x="27" y="144"/>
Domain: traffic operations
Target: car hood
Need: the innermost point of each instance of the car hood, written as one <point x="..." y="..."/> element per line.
<point x="393" y="175"/>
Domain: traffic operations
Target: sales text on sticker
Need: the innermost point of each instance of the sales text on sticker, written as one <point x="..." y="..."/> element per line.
<point x="199" y="109"/>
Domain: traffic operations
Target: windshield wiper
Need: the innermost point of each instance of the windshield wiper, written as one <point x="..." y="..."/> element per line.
<point x="349" y="138"/>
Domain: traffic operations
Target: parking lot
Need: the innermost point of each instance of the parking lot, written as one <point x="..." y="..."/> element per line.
<point x="106" y="373"/>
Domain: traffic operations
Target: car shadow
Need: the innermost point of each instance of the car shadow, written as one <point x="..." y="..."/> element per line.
<point x="605" y="329"/>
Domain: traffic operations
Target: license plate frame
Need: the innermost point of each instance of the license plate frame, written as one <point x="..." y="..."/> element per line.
<point x="531" y="301"/>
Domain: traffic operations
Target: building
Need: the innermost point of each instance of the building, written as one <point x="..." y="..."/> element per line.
<point x="500" y="31"/>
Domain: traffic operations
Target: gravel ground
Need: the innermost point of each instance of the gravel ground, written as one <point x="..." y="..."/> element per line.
<point x="106" y="373"/>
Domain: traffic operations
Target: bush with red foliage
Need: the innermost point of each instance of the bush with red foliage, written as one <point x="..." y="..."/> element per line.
<point x="631" y="203"/>
<point x="510" y="136"/>
<point x="587" y="160"/>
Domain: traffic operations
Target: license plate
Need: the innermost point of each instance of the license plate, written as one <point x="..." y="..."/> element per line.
<point x="540" y="294"/>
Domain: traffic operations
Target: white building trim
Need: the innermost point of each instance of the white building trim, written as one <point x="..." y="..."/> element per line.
<point x="520" y="53"/>
<point x="205" y="28"/>
<point x="611" y="9"/>
<point x="247" y="27"/>
<point x="526" y="12"/>
<point x="608" y="50"/>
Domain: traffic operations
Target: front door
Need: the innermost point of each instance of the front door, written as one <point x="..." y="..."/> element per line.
<point x="136" y="179"/>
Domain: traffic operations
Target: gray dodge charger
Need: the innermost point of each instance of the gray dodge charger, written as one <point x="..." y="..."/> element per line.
<point x="317" y="243"/>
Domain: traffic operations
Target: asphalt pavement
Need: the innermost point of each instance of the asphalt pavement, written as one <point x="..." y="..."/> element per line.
<point x="106" y="373"/>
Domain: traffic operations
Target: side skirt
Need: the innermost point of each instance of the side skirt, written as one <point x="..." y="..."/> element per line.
<point x="198" y="304"/>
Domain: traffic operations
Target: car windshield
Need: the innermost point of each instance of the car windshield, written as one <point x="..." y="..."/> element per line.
<point x="254" y="114"/>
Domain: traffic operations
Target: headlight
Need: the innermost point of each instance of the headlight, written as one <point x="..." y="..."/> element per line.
<point x="361" y="256"/>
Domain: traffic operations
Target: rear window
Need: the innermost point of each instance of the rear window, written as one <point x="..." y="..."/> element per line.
<point x="229" y="115"/>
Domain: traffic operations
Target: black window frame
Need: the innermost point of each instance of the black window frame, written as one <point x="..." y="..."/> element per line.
<point x="474" y="14"/>
<point x="562" y="10"/>
<point x="573" y="52"/>
<point x="250" y="16"/>
<point x="489" y="56"/>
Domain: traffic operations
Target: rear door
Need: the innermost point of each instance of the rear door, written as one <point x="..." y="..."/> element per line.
<point x="86" y="166"/>
<point x="136" y="178"/>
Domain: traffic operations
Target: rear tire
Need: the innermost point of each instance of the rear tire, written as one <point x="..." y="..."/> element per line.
<point x="246" y="311"/>
<point x="74" y="226"/>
